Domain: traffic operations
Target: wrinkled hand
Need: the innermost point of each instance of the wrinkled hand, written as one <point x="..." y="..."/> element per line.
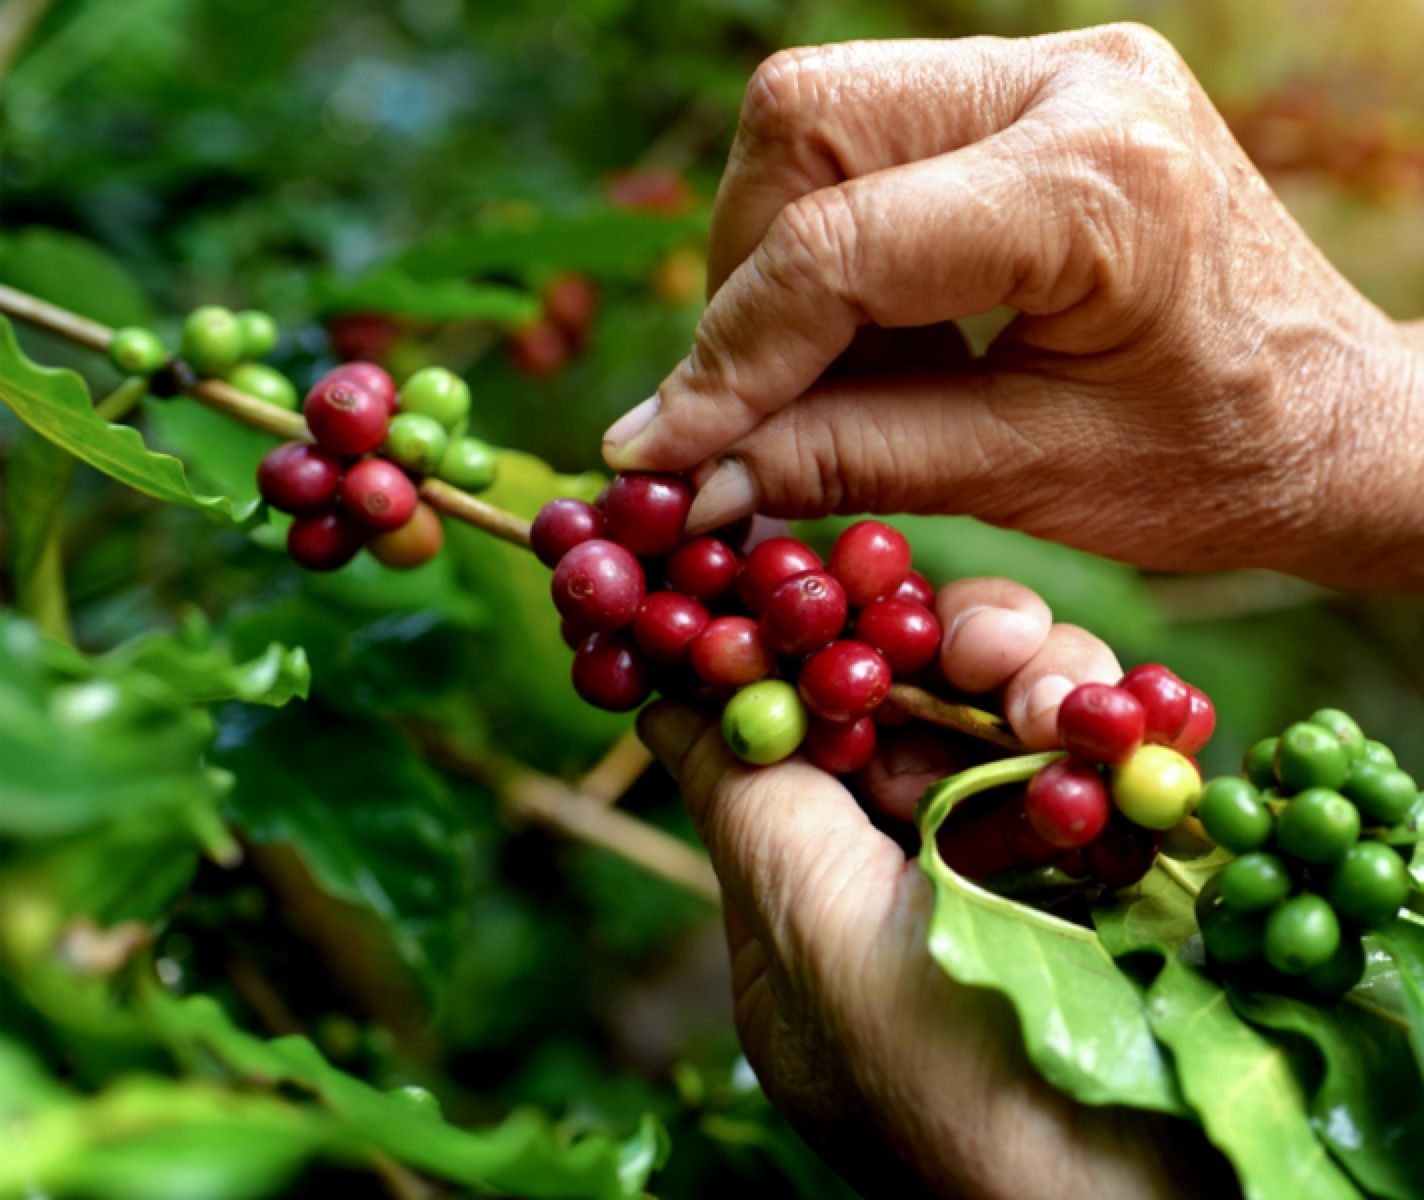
<point x="1188" y="384"/>
<point x="904" y="1081"/>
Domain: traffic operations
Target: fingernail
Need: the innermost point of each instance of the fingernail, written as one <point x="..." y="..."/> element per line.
<point x="617" y="442"/>
<point x="1046" y="694"/>
<point x="728" y="495"/>
<point x="668" y="729"/>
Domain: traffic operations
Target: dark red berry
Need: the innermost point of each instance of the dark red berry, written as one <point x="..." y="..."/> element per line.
<point x="1026" y="846"/>
<point x="840" y="747"/>
<point x="362" y="334"/>
<point x="1067" y="804"/>
<point x="368" y="375"/>
<point x="1201" y="723"/>
<point x="345" y="418"/>
<point x="1101" y="723"/>
<point x="539" y="349"/>
<point x="665" y="626"/>
<point x="737" y="535"/>
<point x="703" y="568"/>
<point x="1123" y="853"/>
<point x="917" y="590"/>
<point x="768" y="564"/>
<point x="560" y="526"/>
<point x="804" y="613"/>
<point x="646" y="511"/>
<point x="378" y="494"/>
<point x="299" y="478"/>
<point x="599" y="585"/>
<point x="731" y="652"/>
<point x="569" y="302"/>
<point x="871" y="560"/>
<point x="325" y="541"/>
<point x="906" y="633"/>
<point x="574" y="635"/>
<point x="1166" y="702"/>
<point x="610" y="672"/>
<point x="844" y="681"/>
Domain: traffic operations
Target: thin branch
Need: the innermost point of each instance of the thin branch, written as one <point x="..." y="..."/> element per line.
<point x="962" y="718"/>
<point x="616" y="771"/>
<point x="1174" y="872"/>
<point x="17" y="19"/>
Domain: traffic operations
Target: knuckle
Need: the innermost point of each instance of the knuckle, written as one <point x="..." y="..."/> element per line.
<point x="1138" y="46"/>
<point x="811" y="245"/>
<point x="783" y="96"/>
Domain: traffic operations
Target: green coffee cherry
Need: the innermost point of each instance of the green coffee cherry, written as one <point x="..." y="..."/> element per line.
<point x="266" y="383"/>
<point x="1232" y="937"/>
<point x="1234" y="815"/>
<point x="1301" y="933"/>
<point x="212" y="340"/>
<point x="1340" y="972"/>
<point x="437" y="393"/>
<point x="1318" y="826"/>
<point x="258" y="332"/>
<point x="470" y="464"/>
<point x="1310" y="757"/>
<point x="1345" y="728"/>
<point x="1378" y="753"/>
<point x="135" y="350"/>
<point x="1370" y="886"/>
<point x="417" y="442"/>
<point x="1384" y="794"/>
<point x="764" y="722"/>
<point x="1259" y="766"/>
<point x="1254" y="882"/>
<point x="1156" y="787"/>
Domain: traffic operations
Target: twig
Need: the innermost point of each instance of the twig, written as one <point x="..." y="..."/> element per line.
<point x="960" y="717"/>
<point x="616" y="771"/>
<point x="400" y="1181"/>
<point x="1174" y="872"/>
<point x="17" y="19"/>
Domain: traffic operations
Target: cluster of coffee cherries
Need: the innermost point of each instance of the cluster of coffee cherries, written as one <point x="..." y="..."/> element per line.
<point x="354" y="486"/>
<point x="1307" y="822"/>
<point x="802" y="652"/>
<point x="1099" y="812"/>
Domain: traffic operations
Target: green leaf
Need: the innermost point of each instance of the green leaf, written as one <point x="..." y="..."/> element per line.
<point x="37" y="478"/>
<point x="392" y="291"/>
<point x="524" y="1155"/>
<point x="1157" y="910"/>
<point x="1368" y="1105"/>
<point x="74" y="273"/>
<point x="1404" y="939"/>
<point x="1084" y="1023"/>
<point x="56" y="404"/>
<point x="207" y="675"/>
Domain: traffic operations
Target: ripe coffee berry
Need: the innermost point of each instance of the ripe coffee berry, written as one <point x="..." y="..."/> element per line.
<point x="917" y="590"/>
<point x="1101" y="723"/>
<point x="539" y="349"/>
<point x="768" y="564"/>
<point x="906" y="633"/>
<point x="570" y="301"/>
<point x="298" y="478"/>
<point x="804" y="613"/>
<point x="1067" y="804"/>
<point x="871" y="560"/>
<point x="1026" y="846"/>
<point x="731" y="652"/>
<point x="840" y="747"/>
<point x="413" y="544"/>
<point x="1122" y="854"/>
<point x="704" y="568"/>
<point x="561" y="525"/>
<point x="325" y="541"/>
<point x="665" y="626"/>
<point x="368" y="375"/>
<point x="599" y="585"/>
<point x="845" y="681"/>
<point x="345" y="418"/>
<point x="1201" y="723"/>
<point x="378" y="494"/>
<point x="646" y="512"/>
<point x="610" y="672"/>
<point x="1166" y="702"/>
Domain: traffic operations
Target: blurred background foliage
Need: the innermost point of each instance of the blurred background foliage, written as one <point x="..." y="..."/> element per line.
<point x="404" y="180"/>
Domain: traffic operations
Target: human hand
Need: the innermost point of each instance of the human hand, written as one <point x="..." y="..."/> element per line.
<point x="1188" y="385"/>
<point x="903" y="1080"/>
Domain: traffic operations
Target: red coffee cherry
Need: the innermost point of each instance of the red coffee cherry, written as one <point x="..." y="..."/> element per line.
<point x="325" y="541"/>
<point x="1026" y="846"/>
<point x="906" y="633"/>
<point x="646" y="511"/>
<point x="413" y="544"/>
<point x="1201" y="723"/>
<point x="299" y="478"/>
<point x="345" y="418"/>
<point x="804" y="613"/>
<point x="840" y="747"/>
<point x="768" y="564"/>
<point x="610" y="673"/>
<point x="561" y="525"/>
<point x="665" y="626"/>
<point x="844" y="681"/>
<point x="731" y="652"/>
<point x="368" y="375"/>
<point x="704" y="568"/>
<point x="1101" y="723"/>
<point x="570" y="302"/>
<point x="574" y="635"/>
<point x="1166" y="702"/>
<point x="1123" y="853"/>
<point x="598" y="585"/>
<point x="871" y="560"/>
<point x="1067" y="804"/>
<point x="378" y="495"/>
<point x="917" y="590"/>
<point x="539" y="349"/>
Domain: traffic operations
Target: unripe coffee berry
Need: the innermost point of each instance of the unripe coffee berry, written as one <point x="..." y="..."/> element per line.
<point x="1101" y="723"/>
<point x="1234" y="815"/>
<point x="871" y="560"/>
<point x="1318" y="826"/>
<point x="416" y="442"/>
<point x="325" y="541"/>
<point x="1301" y="933"/>
<point x="764" y="722"/>
<point x="1310" y="756"/>
<point x="599" y="585"/>
<point x="1370" y="885"/>
<point x="378" y="494"/>
<point x="561" y="525"/>
<point x="413" y="544"/>
<point x="266" y="383"/>
<point x="258" y="333"/>
<point x="345" y="418"/>
<point x="1156" y="787"/>
<point x="136" y="351"/>
<point x="299" y="478"/>
<point x="646" y="511"/>
<point x="212" y="340"/>
<point x="437" y="393"/>
<point x="1383" y="794"/>
<point x="469" y="464"/>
